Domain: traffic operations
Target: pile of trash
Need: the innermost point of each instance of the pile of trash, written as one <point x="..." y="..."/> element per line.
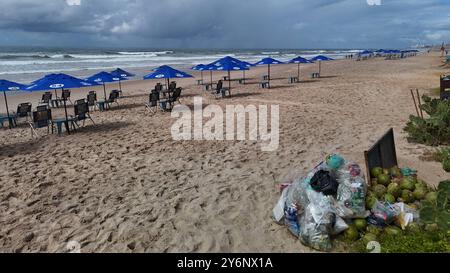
<point x="334" y="198"/>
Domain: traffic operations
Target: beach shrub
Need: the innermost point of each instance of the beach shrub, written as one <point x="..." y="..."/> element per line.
<point x="407" y="242"/>
<point x="434" y="129"/>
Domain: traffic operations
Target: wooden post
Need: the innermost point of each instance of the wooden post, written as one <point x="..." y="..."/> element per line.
<point x="420" y="103"/>
<point x="415" y="104"/>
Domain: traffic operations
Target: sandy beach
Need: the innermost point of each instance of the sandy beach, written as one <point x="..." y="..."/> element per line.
<point x="123" y="185"/>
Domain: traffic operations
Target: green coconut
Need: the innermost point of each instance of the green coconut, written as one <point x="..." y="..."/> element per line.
<point x="395" y="172"/>
<point x="384" y="179"/>
<point x="391" y="230"/>
<point x="431" y="197"/>
<point x="380" y="191"/>
<point x="394" y="189"/>
<point x="371" y="201"/>
<point x="389" y="198"/>
<point x="419" y="193"/>
<point x="375" y="172"/>
<point x="360" y="224"/>
<point x="408" y="184"/>
<point x="351" y="233"/>
<point x="407" y="196"/>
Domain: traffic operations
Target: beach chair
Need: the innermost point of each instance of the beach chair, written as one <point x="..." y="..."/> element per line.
<point x="221" y="91"/>
<point x="81" y="110"/>
<point x="46" y="98"/>
<point x="42" y="118"/>
<point x="113" y="98"/>
<point x="153" y="101"/>
<point x="92" y="99"/>
<point x="23" y="111"/>
<point x="66" y="96"/>
<point x="159" y="87"/>
<point x="175" y="97"/>
<point x="172" y="86"/>
<point x="119" y="92"/>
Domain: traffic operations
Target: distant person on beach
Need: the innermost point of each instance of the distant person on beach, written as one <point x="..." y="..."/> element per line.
<point x="443" y="50"/>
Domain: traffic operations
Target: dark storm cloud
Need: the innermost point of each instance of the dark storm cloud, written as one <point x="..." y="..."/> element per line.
<point x="219" y="23"/>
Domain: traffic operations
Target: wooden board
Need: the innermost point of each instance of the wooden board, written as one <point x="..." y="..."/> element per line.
<point x="382" y="154"/>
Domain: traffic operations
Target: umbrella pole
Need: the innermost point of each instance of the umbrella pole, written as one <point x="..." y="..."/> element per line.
<point x="67" y="117"/>
<point x="244" y="76"/>
<point x="298" y="75"/>
<point x="120" y="85"/>
<point x="229" y="82"/>
<point x="7" y="110"/>
<point x="320" y="67"/>
<point x="211" y="78"/>
<point x="104" y="91"/>
<point x="268" y="67"/>
<point x="201" y="73"/>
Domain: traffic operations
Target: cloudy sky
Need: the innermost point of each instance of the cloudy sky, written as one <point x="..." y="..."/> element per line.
<point x="224" y="23"/>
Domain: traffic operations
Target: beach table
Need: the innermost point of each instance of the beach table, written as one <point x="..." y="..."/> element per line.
<point x="225" y="78"/>
<point x="60" y="122"/>
<point x="315" y="75"/>
<point x="293" y="80"/>
<point x="102" y="105"/>
<point x="264" y="85"/>
<point x="209" y="86"/>
<point x="11" y="120"/>
<point x="199" y="82"/>
<point x="265" y="77"/>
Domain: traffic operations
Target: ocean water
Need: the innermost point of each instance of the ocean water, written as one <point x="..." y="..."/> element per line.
<point x="26" y="65"/>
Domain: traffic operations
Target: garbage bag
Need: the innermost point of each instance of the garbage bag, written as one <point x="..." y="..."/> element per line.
<point x="291" y="219"/>
<point x="315" y="234"/>
<point x="296" y="201"/>
<point x="325" y="183"/>
<point x="339" y="226"/>
<point x="351" y="194"/>
<point x="278" y="210"/>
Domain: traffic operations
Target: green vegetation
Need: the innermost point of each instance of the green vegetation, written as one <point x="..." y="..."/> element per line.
<point x="433" y="130"/>
<point x="430" y="235"/>
<point x="405" y="242"/>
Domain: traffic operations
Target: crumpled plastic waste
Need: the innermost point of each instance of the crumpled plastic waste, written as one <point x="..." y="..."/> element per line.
<point x="405" y="215"/>
<point x="383" y="214"/>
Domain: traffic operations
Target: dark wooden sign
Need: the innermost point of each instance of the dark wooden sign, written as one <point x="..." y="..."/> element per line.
<point x="382" y="154"/>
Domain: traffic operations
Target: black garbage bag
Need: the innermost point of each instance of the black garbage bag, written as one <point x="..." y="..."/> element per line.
<point x="325" y="183"/>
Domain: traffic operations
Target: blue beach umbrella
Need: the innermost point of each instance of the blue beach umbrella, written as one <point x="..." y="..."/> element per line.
<point x="227" y="64"/>
<point x="123" y="74"/>
<point x="320" y="59"/>
<point x="167" y="72"/>
<point x="103" y="78"/>
<point x="268" y="62"/>
<point x="58" y="81"/>
<point x="201" y="68"/>
<point x="8" y="86"/>
<point x="248" y="65"/>
<point x="299" y="60"/>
